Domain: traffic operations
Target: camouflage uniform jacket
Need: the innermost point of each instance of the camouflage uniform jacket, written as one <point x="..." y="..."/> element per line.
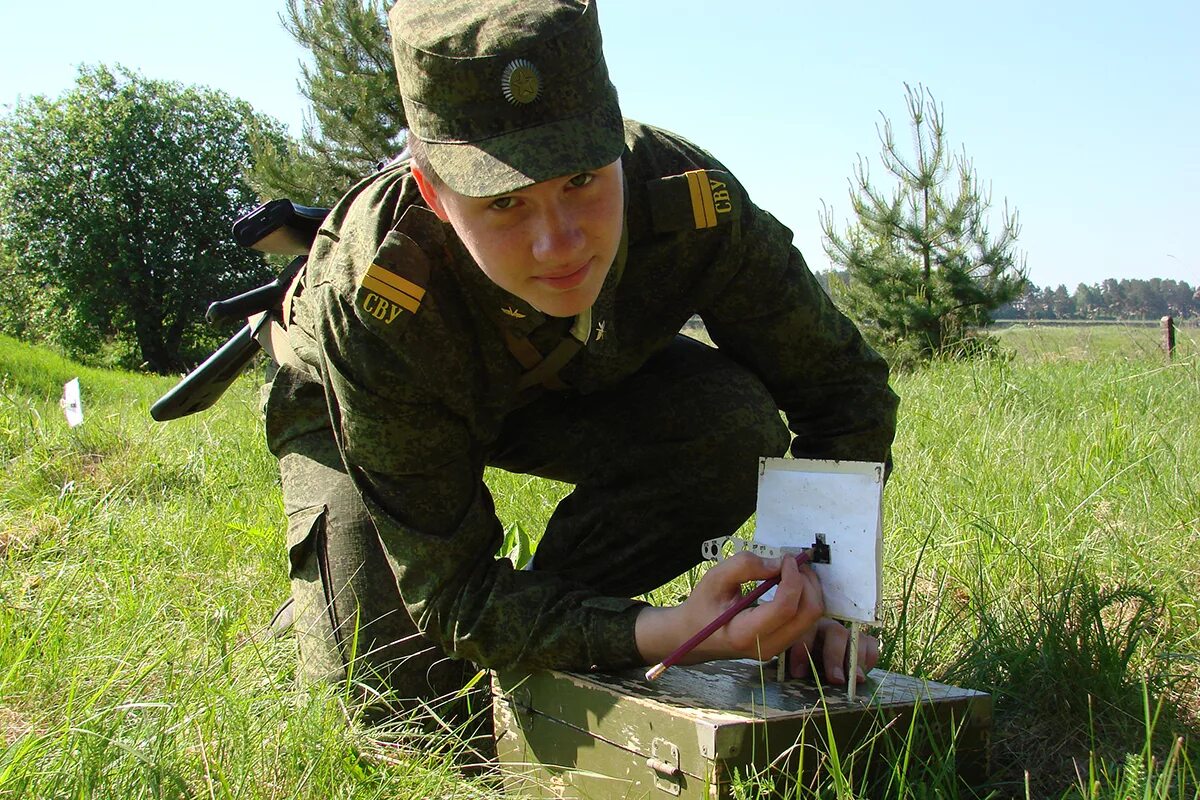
<point x="416" y="378"/>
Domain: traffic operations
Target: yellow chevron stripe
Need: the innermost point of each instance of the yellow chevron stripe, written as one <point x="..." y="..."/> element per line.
<point x="694" y="188"/>
<point x="390" y="292"/>
<point x="392" y="279"/>
<point x="704" y="210"/>
<point x="710" y="206"/>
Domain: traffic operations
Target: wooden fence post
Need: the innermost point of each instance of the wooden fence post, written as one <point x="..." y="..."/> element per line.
<point x="1168" y="336"/>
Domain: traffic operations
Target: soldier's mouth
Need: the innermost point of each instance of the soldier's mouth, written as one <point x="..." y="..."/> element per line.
<point x="567" y="277"/>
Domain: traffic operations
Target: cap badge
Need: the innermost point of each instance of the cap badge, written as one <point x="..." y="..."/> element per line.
<point x="521" y="82"/>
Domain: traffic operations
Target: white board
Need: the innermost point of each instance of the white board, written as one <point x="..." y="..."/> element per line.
<point x="843" y="501"/>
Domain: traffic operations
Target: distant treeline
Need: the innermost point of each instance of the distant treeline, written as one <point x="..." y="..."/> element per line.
<point x="1110" y="299"/>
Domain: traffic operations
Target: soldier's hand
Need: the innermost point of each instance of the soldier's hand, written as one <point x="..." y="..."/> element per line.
<point x="827" y="647"/>
<point x="759" y="632"/>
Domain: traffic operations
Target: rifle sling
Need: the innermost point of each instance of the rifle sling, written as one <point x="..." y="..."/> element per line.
<point x="546" y="373"/>
<point x="540" y="370"/>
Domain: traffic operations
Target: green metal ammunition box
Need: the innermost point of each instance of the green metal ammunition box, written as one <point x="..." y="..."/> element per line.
<point x="686" y="735"/>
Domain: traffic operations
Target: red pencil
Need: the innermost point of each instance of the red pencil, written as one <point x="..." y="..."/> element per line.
<point x="708" y="630"/>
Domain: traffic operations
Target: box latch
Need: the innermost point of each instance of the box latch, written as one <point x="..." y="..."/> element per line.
<point x="664" y="761"/>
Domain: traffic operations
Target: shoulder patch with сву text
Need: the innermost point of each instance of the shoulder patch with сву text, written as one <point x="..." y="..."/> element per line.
<point x="695" y="200"/>
<point x="394" y="283"/>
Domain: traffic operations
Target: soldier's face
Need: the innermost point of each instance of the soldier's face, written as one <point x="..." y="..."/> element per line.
<point x="550" y="244"/>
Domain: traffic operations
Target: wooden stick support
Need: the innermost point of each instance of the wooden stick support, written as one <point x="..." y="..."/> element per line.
<point x="852" y="663"/>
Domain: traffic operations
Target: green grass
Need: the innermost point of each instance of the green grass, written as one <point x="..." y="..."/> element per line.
<point x="1081" y="341"/>
<point x="1054" y="504"/>
<point x="139" y="565"/>
<point x="1042" y="543"/>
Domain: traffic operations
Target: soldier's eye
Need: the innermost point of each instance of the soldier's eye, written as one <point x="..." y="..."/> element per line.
<point x="502" y="203"/>
<point x="582" y="179"/>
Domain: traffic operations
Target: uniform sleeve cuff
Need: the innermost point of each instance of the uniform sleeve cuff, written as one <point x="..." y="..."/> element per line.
<point x="612" y="642"/>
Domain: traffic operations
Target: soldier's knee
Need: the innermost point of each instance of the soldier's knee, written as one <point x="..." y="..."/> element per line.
<point x="750" y="423"/>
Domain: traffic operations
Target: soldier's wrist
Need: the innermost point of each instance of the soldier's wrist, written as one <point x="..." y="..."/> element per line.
<point x="660" y="631"/>
<point x="654" y="633"/>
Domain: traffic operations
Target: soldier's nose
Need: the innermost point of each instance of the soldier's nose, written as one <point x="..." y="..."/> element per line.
<point x="558" y="238"/>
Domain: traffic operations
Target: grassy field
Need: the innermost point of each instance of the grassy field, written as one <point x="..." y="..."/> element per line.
<point x="1042" y="543"/>
<point x="1079" y="341"/>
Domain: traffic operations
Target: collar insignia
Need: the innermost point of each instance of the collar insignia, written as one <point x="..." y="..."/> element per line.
<point x="600" y="331"/>
<point x="514" y="313"/>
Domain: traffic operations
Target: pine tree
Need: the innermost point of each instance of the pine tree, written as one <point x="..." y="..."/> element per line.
<point x="1062" y="305"/>
<point x="923" y="264"/>
<point x="357" y="120"/>
<point x="1087" y="301"/>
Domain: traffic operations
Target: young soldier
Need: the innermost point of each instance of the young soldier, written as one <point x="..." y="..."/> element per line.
<point x="512" y="297"/>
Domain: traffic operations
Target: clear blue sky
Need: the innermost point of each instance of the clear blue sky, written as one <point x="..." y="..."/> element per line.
<point x="1083" y="116"/>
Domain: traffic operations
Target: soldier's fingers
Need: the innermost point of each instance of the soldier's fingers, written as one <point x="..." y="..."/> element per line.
<point x="741" y="568"/>
<point x="813" y="602"/>
<point x="809" y="605"/>
<point x="800" y="602"/>
<point x="721" y="586"/>
<point x="772" y="626"/>
<point x="801" y="623"/>
<point x="868" y="655"/>
<point x="800" y="663"/>
<point x="833" y="653"/>
<point x="791" y="588"/>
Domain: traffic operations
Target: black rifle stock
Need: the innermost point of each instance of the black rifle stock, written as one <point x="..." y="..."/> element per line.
<point x="201" y="387"/>
<point x="279" y="227"/>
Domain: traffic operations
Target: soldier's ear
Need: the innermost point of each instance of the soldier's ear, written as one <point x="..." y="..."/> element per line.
<point x="429" y="191"/>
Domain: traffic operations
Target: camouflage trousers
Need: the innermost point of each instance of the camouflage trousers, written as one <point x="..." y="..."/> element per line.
<point x="659" y="463"/>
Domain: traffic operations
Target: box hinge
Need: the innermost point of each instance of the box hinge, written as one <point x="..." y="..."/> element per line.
<point x="664" y="762"/>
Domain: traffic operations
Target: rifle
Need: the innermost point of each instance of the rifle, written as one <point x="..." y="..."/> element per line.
<point x="278" y="227"/>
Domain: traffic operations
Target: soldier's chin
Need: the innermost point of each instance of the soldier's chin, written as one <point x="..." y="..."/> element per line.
<point x="567" y="305"/>
<point x="574" y="301"/>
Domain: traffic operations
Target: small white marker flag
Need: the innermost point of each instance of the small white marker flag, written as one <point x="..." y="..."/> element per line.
<point x="72" y="403"/>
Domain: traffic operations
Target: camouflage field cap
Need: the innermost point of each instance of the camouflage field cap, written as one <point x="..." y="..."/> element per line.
<point x="505" y="93"/>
